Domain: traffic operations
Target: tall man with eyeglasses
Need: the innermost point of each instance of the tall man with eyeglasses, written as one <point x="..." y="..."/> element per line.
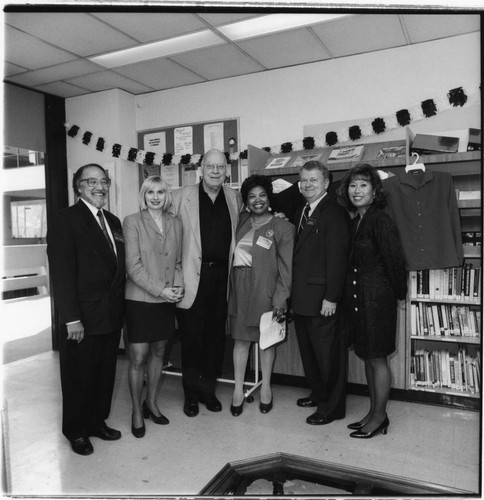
<point x="209" y="214"/>
<point x="85" y="248"/>
<point x="319" y="271"/>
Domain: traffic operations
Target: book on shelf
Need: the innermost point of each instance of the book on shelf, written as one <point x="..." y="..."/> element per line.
<point x="456" y="283"/>
<point x="301" y="160"/>
<point x="440" y="368"/>
<point x="279" y="162"/>
<point x="345" y="153"/>
<point x="472" y="238"/>
<point x="392" y="152"/>
<point x="468" y="195"/>
<point x="444" y="320"/>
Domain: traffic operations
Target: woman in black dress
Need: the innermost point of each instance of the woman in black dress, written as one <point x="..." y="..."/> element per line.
<point x="376" y="280"/>
<point x="154" y="284"/>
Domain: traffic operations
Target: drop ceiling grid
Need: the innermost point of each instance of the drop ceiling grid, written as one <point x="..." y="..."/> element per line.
<point x="221" y="61"/>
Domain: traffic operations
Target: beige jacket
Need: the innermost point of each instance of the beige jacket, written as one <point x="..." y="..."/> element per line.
<point x="186" y="208"/>
<point x="153" y="259"/>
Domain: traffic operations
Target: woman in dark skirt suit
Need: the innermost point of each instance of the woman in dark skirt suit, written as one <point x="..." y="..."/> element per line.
<point x="260" y="281"/>
<point x="376" y="280"/>
<point x="153" y="240"/>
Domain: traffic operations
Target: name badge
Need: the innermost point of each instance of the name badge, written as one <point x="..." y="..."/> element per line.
<point x="264" y="242"/>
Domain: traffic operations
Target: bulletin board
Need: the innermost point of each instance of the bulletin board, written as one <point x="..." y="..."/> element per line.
<point x="189" y="138"/>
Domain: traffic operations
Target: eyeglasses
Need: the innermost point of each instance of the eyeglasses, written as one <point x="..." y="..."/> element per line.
<point x="215" y="167"/>
<point x="92" y="181"/>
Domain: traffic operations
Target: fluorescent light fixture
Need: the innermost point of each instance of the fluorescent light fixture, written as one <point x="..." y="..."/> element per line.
<point x="272" y="23"/>
<point x="164" y="48"/>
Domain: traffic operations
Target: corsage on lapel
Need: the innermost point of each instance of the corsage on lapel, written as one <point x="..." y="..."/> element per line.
<point x="118" y="236"/>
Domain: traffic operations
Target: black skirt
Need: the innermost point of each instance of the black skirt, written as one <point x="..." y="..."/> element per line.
<point x="149" y="322"/>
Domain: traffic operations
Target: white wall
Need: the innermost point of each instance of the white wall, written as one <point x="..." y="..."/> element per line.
<point x="274" y="106"/>
<point x="108" y="114"/>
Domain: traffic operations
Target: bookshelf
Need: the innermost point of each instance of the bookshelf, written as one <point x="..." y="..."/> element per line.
<point x="466" y="169"/>
<point x="445" y="331"/>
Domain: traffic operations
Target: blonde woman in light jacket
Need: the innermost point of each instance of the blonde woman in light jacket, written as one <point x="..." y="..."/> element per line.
<point x="260" y="281"/>
<point x="153" y="240"/>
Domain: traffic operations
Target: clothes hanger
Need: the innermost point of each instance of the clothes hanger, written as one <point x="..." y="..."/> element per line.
<point x="415" y="165"/>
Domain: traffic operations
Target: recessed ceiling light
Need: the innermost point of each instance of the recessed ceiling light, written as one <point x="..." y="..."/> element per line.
<point x="272" y="23"/>
<point x="164" y="48"/>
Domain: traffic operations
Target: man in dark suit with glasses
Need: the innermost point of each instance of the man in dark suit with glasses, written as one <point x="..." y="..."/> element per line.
<point x="85" y="248"/>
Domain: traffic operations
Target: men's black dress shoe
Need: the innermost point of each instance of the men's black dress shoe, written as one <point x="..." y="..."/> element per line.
<point x="190" y="408"/>
<point x="320" y="419"/>
<point x="212" y="403"/>
<point x="81" y="446"/>
<point x="104" y="432"/>
<point x="307" y="403"/>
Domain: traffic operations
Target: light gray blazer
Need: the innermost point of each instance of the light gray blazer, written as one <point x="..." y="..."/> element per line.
<point x="186" y="206"/>
<point x="153" y="259"/>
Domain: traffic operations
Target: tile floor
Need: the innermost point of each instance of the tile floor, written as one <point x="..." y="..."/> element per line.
<point x="424" y="442"/>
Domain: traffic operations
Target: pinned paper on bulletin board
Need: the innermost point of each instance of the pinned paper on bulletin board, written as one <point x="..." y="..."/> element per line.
<point x="155" y="142"/>
<point x="171" y="175"/>
<point x="184" y="140"/>
<point x="213" y="136"/>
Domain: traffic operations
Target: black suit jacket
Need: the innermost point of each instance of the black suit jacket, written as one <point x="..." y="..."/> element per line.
<point x="320" y="257"/>
<point x="87" y="280"/>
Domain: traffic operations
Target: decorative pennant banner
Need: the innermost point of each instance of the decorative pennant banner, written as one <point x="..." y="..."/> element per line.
<point x="456" y="97"/>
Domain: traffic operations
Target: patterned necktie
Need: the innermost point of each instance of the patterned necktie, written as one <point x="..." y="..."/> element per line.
<point x="304" y="218"/>
<point x="105" y="231"/>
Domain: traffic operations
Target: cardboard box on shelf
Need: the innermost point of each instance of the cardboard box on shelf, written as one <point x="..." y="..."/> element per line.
<point x="424" y="144"/>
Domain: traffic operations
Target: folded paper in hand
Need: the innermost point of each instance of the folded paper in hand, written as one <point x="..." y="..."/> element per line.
<point x="271" y="332"/>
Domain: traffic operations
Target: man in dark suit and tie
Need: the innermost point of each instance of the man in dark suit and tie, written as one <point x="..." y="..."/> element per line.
<point x="85" y="248"/>
<point x="319" y="270"/>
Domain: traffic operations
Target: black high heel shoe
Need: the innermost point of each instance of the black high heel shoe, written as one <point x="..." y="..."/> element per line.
<point x="138" y="432"/>
<point x="383" y="428"/>
<point x="265" y="407"/>
<point x="161" y="420"/>
<point x="237" y="410"/>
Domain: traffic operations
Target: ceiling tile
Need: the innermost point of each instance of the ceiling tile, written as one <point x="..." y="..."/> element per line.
<point x="11" y="69"/>
<point x="19" y="50"/>
<point x="225" y="18"/>
<point x="361" y="33"/>
<point x="159" y="74"/>
<point x="61" y="89"/>
<point x="147" y="27"/>
<point x="63" y="71"/>
<point x="285" y="49"/>
<point x="222" y="61"/>
<point x="105" y="80"/>
<point x="77" y="32"/>
<point x="423" y="27"/>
